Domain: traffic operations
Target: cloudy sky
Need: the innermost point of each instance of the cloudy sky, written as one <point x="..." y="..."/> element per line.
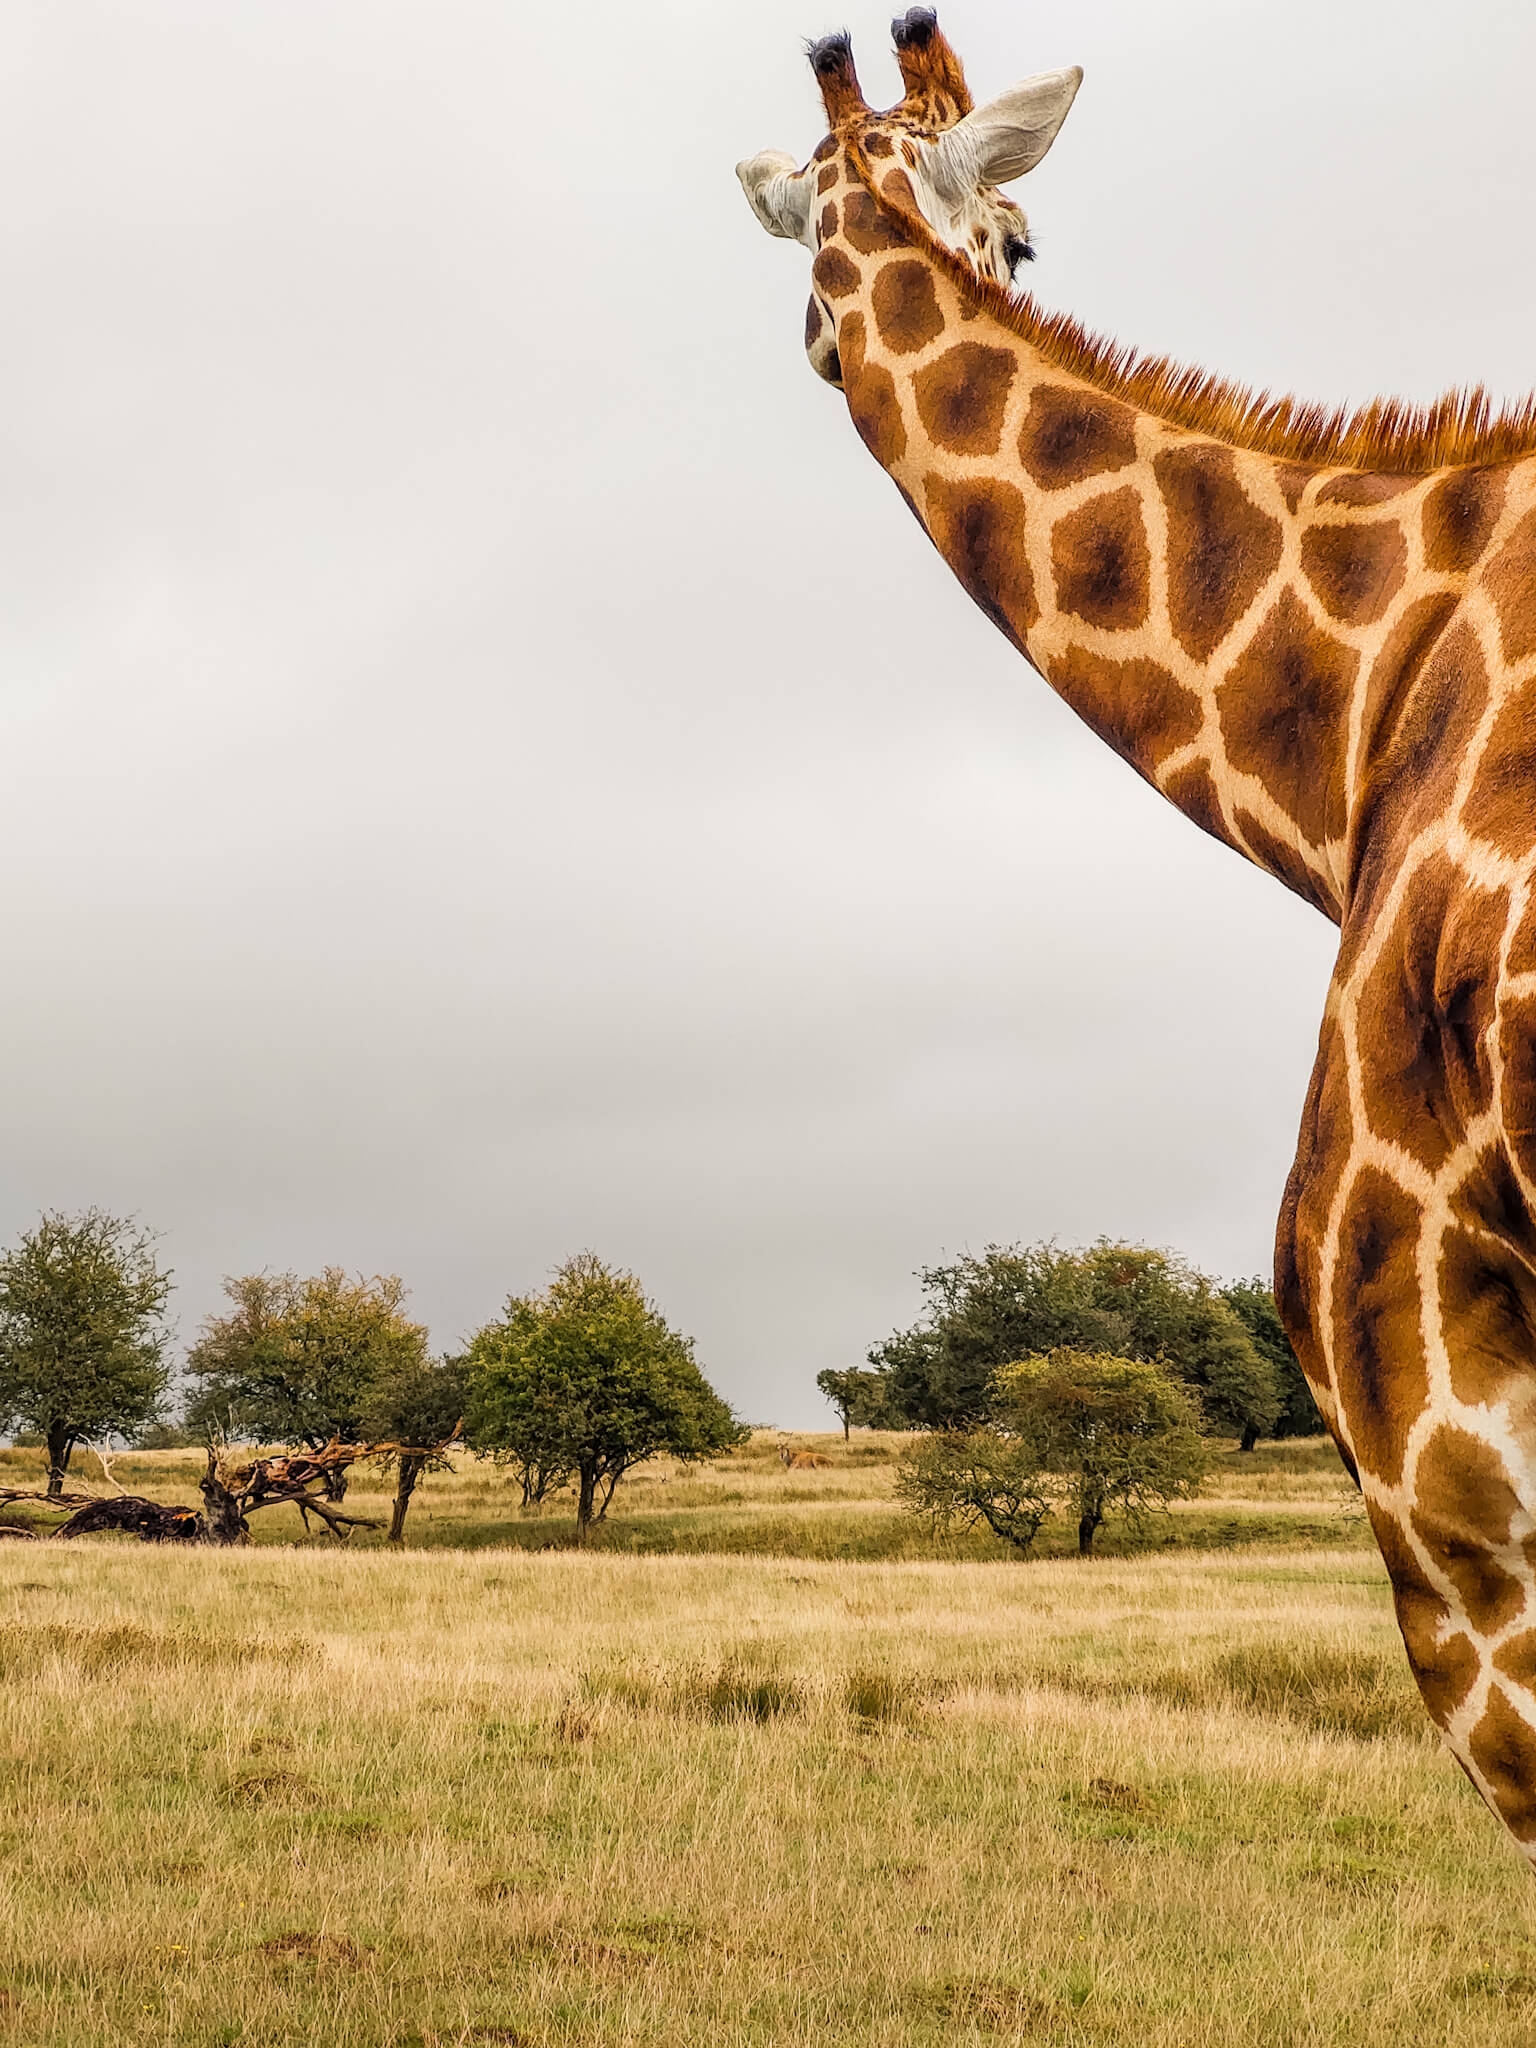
<point x="491" y="768"/>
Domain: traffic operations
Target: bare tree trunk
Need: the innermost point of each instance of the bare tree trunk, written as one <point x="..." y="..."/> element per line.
<point x="60" y="1445"/>
<point x="221" y="1508"/>
<point x="845" y="1425"/>
<point x="333" y="1484"/>
<point x="1087" y="1529"/>
<point x="1250" y="1437"/>
<point x="584" y="1501"/>
<point x="410" y="1472"/>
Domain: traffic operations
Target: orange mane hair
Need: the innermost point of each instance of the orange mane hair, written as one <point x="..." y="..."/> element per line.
<point x="1386" y="434"/>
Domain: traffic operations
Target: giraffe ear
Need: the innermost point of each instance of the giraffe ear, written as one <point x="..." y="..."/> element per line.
<point x="1008" y="136"/>
<point x="778" y="194"/>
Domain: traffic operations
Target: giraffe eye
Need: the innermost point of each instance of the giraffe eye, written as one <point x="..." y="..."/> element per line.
<point x="1018" y="249"/>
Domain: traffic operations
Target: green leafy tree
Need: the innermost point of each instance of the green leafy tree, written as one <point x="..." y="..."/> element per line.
<point x="83" y="1332"/>
<point x="295" y="1361"/>
<point x="977" y="1475"/>
<point x="984" y="1311"/>
<point x="587" y="1379"/>
<point x="419" y="1404"/>
<point x="1253" y="1302"/>
<point x="1121" y="1435"/>
<point x="859" y="1396"/>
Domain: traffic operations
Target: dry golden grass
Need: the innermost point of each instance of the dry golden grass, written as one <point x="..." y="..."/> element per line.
<point x="749" y="1503"/>
<point x="353" y="1798"/>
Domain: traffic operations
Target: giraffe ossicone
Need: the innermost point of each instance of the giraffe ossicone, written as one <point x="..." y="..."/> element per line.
<point x="1315" y="633"/>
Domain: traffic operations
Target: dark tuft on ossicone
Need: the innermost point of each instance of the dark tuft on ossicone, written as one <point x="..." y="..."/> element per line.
<point x="916" y="28"/>
<point x="828" y="54"/>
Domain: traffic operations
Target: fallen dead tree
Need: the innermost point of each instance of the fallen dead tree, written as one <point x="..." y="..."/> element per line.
<point x="231" y="1493"/>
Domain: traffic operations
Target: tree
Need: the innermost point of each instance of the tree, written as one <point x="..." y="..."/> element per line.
<point x="859" y="1396"/>
<point x="588" y="1379"/>
<point x="977" y="1475"/>
<point x="296" y="1361"/>
<point x="1253" y="1302"/>
<point x="83" y="1333"/>
<point x="1122" y="1435"/>
<point x="419" y="1404"/>
<point x="1013" y="1302"/>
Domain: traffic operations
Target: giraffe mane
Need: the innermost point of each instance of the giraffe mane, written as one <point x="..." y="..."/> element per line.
<point x="1391" y="435"/>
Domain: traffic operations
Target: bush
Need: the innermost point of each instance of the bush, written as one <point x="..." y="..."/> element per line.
<point x="976" y="1476"/>
<point x="1119" y="1435"/>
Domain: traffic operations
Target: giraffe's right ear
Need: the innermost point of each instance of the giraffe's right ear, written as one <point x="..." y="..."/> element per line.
<point x="779" y="194"/>
<point x="1008" y="136"/>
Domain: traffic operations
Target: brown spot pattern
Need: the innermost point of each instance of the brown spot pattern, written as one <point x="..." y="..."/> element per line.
<point x="826" y="177"/>
<point x="1517" y="1092"/>
<point x="961" y="397"/>
<point x="1396" y="669"/>
<point x="1463" y="1508"/>
<point x="876" y="410"/>
<point x="826" y="227"/>
<point x="1358" y="488"/>
<point x="1191" y="790"/>
<point x="1424" y="1013"/>
<point x="1444" y="1670"/>
<point x="1293" y="481"/>
<point x="897" y="187"/>
<point x="1101" y="562"/>
<point x="906" y="307"/>
<point x="1379" y="1363"/>
<point x="1488" y="1302"/>
<point x="870" y="231"/>
<point x="877" y="143"/>
<point x="1138" y="707"/>
<point x="979" y="529"/>
<point x="1503" y="1747"/>
<point x="1511" y="583"/>
<point x="835" y="275"/>
<point x="1414" y="776"/>
<point x="1069" y="434"/>
<point x="1287" y="862"/>
<point x="1501" y="804"/>
<point x="1355" y="570"/>
<point x="1284" y="699"/>
<point x="1222" y="549"/>
<point x="1460" y="514"/>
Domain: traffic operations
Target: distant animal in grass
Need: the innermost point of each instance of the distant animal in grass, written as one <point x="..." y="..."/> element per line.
<point x="804" y="1461"/>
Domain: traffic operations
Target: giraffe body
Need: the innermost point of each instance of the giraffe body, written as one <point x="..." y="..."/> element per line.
<point x="1317" y="637"/>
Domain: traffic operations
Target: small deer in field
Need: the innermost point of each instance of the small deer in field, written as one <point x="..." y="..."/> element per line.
<point x="803" y="1461"/>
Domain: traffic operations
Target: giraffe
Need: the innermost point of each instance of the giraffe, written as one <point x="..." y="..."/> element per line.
<point x="1315" y="633"/>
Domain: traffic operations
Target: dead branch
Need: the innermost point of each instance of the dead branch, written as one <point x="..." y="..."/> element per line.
<point x="230" y="1493"/>
<point x="340" y="1525"/>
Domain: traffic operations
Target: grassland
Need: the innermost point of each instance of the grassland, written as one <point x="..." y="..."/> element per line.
<point x="1292" y="1494"/>
<point x="308" y="1795"/>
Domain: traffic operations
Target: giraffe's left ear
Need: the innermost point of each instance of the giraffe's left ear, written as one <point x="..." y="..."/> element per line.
<point x="778" y="194"/>
<point x="1008" y="136"/>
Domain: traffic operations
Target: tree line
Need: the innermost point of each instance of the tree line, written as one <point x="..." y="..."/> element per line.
<point x="1033" y="1373"/>
<point x="576" y="1383"/>
<point x="987" y="1310"/>
<point x="1086" y="1382"/>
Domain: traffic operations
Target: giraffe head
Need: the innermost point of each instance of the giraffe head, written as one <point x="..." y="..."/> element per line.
<point x="935" y="152"/>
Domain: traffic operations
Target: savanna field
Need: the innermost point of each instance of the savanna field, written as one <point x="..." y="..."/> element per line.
<point x="768" y="1763"/>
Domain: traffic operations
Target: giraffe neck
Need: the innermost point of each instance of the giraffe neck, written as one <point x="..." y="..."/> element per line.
<point x="1237" y="625"/>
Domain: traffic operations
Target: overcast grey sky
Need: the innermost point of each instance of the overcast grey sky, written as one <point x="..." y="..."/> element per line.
<point x="441" y="831"/>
